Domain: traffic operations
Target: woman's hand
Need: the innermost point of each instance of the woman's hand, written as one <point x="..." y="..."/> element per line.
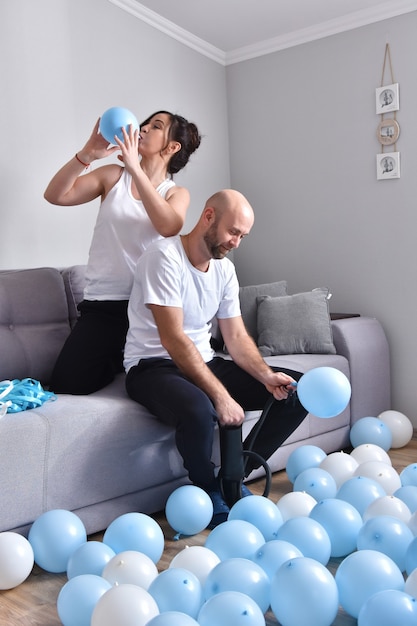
<point x="129" y="148"/>
<point x="96" y="147"/>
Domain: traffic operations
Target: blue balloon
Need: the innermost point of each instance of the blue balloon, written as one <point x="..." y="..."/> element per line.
<point x="371" y="430"/>
<point x="135" y="531"/>
<point x="54" y="536"/>
<point x="317" y="482"/>
<point x="235" y="538"/>
<point x="408" y="475"/>
<point x="363" y="573"/>
<point x="78" y="597"/>
<point x="303" y="591"/>
<point x="408" y="495"/>
<point x="230" y="607"/>
<point x="360" y="492"/>
<point x="273" y="554"/>
<point x="411" y="557"/>
<point x="389" y="535"/>
<point x="242" y="575"/>
<point x="324" y="391"/>
<point x="303" y="458"/>
<point x="389" y="607"/>
<point x="172" y="618"/>
<point x="189" y="510"/>
<point x="177" y="589"/>
<point x="341" y="521"/>
<point x="113" y="120"/>
<point x="259" y="511"/>
<point x="90" y="558"/>
<point x="308" y="536"/>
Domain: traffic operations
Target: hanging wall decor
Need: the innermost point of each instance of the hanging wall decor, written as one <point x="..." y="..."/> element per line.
<point x="388" y="165"/>
<point x="388" y="101"/>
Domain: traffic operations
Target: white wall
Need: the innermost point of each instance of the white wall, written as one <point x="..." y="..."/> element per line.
<point x="303" y="142"/>
<point x="63" y="63"/>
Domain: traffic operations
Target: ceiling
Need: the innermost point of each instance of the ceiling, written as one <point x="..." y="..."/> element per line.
<point x="229" y="26"/>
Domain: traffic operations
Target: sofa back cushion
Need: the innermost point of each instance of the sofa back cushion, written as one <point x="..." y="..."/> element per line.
<point x="33" y="322"/>
<point x="74" y="282"/>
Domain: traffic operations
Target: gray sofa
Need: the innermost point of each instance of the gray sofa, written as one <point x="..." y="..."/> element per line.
<point x="103" y="455"/>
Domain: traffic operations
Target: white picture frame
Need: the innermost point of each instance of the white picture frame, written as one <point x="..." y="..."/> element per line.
<point x="387" y="98"/>
<point x="388" y="165"/>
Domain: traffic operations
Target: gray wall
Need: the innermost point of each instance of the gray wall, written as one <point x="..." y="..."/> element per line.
<point x="302" y="126"/>
<point x="63" y="63"/>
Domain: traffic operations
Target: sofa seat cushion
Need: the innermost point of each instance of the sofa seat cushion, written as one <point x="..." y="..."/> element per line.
<point x="103" y="445"/>
<point x="33" y="322"/>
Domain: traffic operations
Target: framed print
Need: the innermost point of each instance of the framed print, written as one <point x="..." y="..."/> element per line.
<point x="388" y="165"/>
<point x="387" y="98"/>
<point x="388" y="132"/>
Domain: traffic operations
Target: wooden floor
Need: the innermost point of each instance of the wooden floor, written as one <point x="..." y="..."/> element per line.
<point x="33" y="603"/>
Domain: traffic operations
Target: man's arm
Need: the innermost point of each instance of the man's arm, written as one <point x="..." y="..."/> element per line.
<point x="245" y="353"/>
<point x="169" y="321"/>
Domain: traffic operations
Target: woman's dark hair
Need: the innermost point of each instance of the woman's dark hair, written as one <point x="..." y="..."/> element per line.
<point x="183" y="131"/>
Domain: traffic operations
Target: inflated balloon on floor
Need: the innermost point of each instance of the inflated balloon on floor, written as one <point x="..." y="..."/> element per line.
<point x="400" y="426"/>
<point x="189" y="510"/>
<point x="135" y="531"/>
<point x="362" y="574"/>
<point x="303" y="591"/>
<point x="302" y="458"/>
<point x="324" y="391"/>
<point x="124" y="605"/>
<point x="389" y="607"/>
<point x="16" y="559"/>
<point x="172" y="618"/>
<point x="78" y="597"/>
<point x="230" y="607"/>
<point x="113" y="120"/>
<point x="371" y="430"/>
<point x="54" y="536"/>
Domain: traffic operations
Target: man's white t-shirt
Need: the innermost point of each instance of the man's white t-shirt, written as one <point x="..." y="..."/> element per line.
<point x="164" y="276"/>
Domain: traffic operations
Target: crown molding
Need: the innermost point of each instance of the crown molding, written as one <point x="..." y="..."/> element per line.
<point x="383" y="11"/>
<point x="171" y="29"/>
<point x="357" y="19"/>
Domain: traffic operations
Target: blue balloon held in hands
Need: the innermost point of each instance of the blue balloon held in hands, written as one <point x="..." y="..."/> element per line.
<point x="324" y="391"/>
<point x="113" y="120"/>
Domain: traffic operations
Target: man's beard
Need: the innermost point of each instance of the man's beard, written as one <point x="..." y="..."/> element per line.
<point x="217" y="250"/>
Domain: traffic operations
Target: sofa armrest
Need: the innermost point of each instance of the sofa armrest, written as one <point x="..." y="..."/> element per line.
<point x="363" y="342"/>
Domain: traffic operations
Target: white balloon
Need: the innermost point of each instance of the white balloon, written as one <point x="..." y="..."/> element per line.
<point x="370" y="452"/>
<point x="340" y="465"/>
<point x="388" y="505"/>
<point x="383" y="473"/>
<point x="16" y="559"/>
<point x="296" y="504"/>
<point x="131" y="567"/>
<point x="124" y="605"/>
<point x="196" y="559"/>
<point x="400" y="426"/>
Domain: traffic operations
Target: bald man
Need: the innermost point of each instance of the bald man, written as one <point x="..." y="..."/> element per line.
<point x="181" y="283"/>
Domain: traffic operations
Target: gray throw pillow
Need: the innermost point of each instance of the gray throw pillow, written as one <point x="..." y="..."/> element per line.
<point x="295" y="324"/>
<point x="248" y="302"/>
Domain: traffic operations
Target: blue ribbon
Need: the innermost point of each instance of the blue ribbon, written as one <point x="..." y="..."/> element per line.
<point x="20" y="395"/>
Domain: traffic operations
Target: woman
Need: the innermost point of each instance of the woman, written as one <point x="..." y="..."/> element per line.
<point x="139" y="203"/>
